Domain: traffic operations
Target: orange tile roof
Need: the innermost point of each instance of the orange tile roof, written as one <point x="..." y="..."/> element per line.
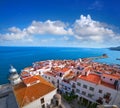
<point x="91" y="78"/>
<point x="25" y="95"/>
<point x="111" y="76"/>
<point x="96" y="79"/>
<point x="64" y="69"/>
<point x="50" y="74"/>
<point x="25" y="74"/>
<point x="58" y="69"/>
<point x="107" y="84"/>
<point x="30" y="80"/>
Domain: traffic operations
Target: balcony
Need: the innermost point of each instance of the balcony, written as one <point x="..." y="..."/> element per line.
<point x="107" y="98"/>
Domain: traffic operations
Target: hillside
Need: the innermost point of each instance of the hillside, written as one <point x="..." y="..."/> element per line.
<point x="115" y="48"/>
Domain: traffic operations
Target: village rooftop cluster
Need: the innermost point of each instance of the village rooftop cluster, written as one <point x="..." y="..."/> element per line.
<point x="96" y="82"/>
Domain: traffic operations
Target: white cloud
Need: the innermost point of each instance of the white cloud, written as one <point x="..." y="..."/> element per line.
<point x="37" y="27"/>
<point x="48" y="27"/>
<point x="86" y="29"/>
<point x="66" y="38"/>
<point x="48" y="40"/>
<point x="96" y="38"/>
<point x="16" y="35"/>
<point x="14" y="29"/>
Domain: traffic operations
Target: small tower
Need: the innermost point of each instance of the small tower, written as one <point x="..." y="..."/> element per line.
<point x="14" y="77"/>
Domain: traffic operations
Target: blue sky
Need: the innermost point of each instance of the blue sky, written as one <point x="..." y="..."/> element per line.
<point x="68" y="23"/>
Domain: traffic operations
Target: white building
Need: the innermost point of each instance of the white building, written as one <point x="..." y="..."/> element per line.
<point x="92" y="81"/>
<point x="92" y="88"/>
<point x="101" y="88"/>
<point x="31" y="91"/>
<point x="34" y="92"/>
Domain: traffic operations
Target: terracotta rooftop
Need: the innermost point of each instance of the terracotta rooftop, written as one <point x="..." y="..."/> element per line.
<point x="107" y="84"/>
<point x="91" y="78"/>
<point x="50" y="74"/>
<point x="30" y="80"/>
<point x="64" y="69"/>
<point x="96" y="79"/>
<point x="25" y="95"/>
<point x="58" y="69"/>
<point x="111" y="76"/>
<point x="25" y="74"/>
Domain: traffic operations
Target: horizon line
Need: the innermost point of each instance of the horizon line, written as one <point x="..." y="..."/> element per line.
<point x="56" y="46"/>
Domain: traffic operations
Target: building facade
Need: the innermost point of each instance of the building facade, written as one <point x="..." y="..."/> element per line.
<point x="97" y="83"/>
<point x="32" y="91"/>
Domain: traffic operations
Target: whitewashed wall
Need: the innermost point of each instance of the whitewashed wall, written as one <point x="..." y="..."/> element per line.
<point x="37" y="103"/>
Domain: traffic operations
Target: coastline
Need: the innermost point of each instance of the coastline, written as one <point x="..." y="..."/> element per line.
<point x="22" y="57"/>
<point x="67" y="70"/>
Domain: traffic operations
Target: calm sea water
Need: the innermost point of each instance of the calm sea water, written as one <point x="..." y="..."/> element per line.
<point x="21" y="57"/>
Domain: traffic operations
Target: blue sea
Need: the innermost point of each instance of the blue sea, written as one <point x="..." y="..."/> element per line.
<point x="21" y="57"/>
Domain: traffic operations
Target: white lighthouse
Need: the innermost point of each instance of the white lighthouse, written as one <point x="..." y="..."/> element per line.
<point x="14" y="77"/>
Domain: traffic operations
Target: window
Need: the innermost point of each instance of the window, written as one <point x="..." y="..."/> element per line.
<point x="48" y="77"/>
<point x="43" y="106"/>
<point x="51" y="101"/>
<point x="60" y="74"/>
<point x="73" y="85"/>
<point x="42" y="100"/>
<point x="85" y="86"/>
<point x="77" y="90"/>
<point x="65" y="88"/>
<point x="79" y="84"/>
<point x="68" y="88"/>
<point x="100" y="91"/>
<point x="83" y="93"/>
<point x="53" y="82"/>
<point x="91" y="88"/>
<point x="90" y="95"/>
<point x="107" y="95"/>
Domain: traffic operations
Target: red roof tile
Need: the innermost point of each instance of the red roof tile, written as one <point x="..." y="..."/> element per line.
<point x="91" y="78"/>
<point x="111" y="76"/>
<point x="30" y="80"/>
<point x="107" y="84"/>
<point x="25" y="95"/>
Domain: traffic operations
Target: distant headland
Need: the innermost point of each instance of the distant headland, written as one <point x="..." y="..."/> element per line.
<point x="115" y="48"/>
